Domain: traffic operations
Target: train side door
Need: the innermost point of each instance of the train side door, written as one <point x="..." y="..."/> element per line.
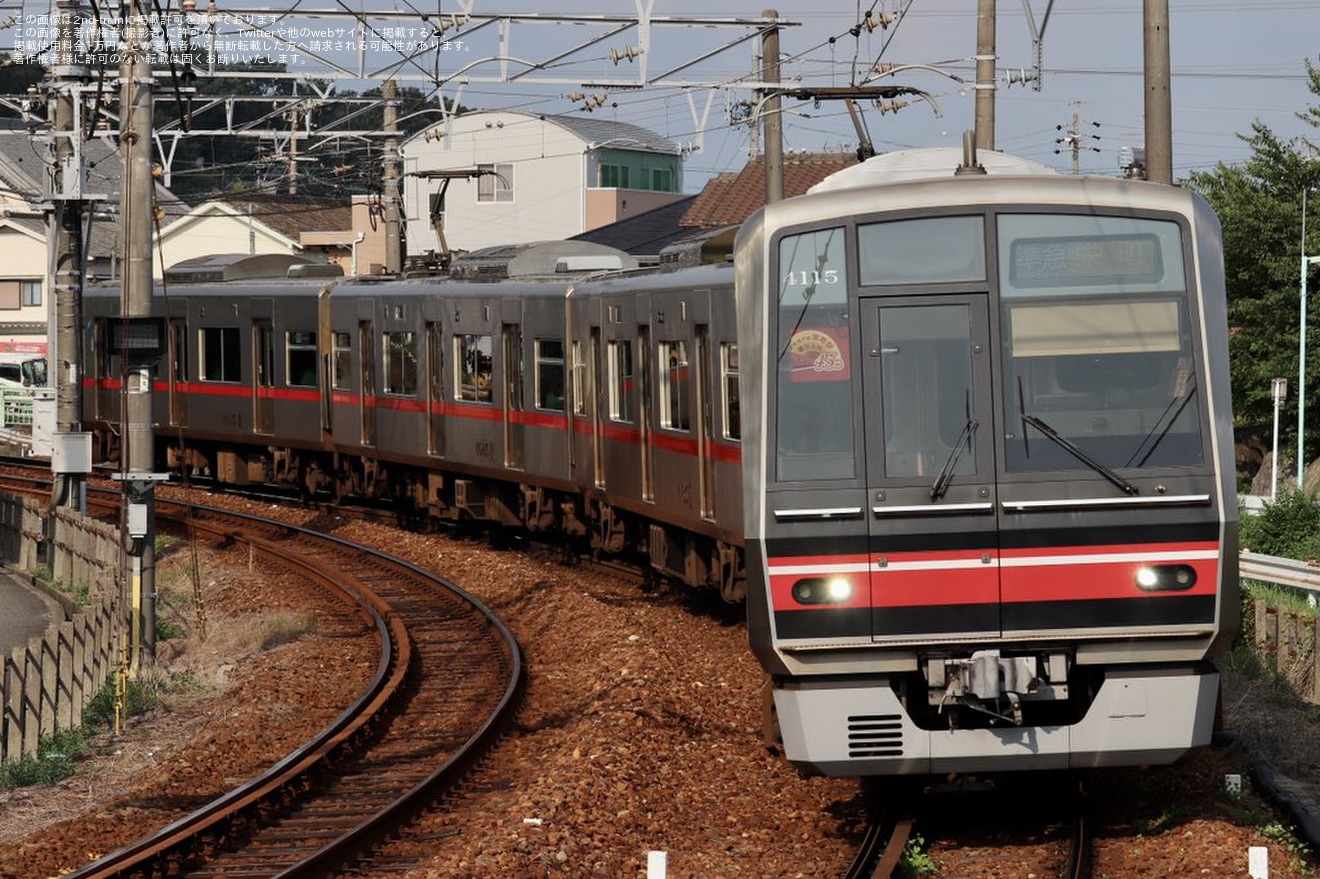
<point x="513" y="370"/>
<point x="435" y="388"/>
<point x="367" y="380"/>
<point x="933" y="543"/>
<point x="263" y="376"/>
<point x="178" y="370"/>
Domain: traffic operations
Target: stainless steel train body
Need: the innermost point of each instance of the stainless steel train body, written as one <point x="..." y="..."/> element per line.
<point x="964" y="444"/>
<point x="606" y="409"/>
<point x="989" y="474"/>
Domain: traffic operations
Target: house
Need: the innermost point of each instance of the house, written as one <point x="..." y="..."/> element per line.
<point x="510" y="177"/>
<point x="24" y="169"/>
<point x="350" y="234"/>
<point x="701" y="227"/>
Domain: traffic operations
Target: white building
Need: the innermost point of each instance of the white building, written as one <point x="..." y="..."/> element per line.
<point x="515" y="177"/>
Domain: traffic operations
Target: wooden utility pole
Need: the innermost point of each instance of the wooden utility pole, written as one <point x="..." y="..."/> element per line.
<point x="985" y="75"/>
<point x="774" y="121"/>
<point x="1159" y="116"/>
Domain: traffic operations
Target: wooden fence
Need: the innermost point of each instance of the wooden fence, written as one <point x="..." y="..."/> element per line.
<point x="1287" y="641"/>
<point x="47" y="684"/>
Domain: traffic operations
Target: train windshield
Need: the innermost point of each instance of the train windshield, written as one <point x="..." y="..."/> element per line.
<point x="815" y="400"/>
<point x="1098" y="357"/>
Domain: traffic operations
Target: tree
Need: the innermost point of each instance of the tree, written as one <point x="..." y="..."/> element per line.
<point x="1260" y="206"/>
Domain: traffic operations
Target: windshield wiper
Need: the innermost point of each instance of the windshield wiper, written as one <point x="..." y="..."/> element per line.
<point x="946" y="472"/>
<point x="1181" y="403"/>
<point x="1074" y="450"/>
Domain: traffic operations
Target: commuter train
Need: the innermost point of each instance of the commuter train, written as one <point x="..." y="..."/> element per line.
<point x="963" y="442"/>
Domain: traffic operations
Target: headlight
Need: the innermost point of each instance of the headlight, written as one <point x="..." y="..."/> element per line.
<point x="1165" y="578"/>
<point x="823" y="590"/>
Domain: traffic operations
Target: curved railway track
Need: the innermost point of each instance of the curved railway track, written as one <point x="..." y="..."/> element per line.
<point x="448" y="681"/>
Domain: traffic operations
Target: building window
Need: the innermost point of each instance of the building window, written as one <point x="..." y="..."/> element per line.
<point x="729" y="381"/>
<point x="30" y="293"/>
<point x="300" y="358"/>
<point x="19" y="294"/>
<point x="401" y="364"/>
<point x="495" y="182"/>
<point x="674" y="379"/>
<point x="220" y="354"/>
<point x="473" y="353"/>
<point x="621" y="380"/>
<point x="614" y="176"/>
<point x="662" y="180"/>
<point x="550" y="374"/>
<point x="342" y="358"/>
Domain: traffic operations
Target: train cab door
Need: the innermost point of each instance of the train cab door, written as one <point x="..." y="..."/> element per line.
<point x="263" y="376"/>
<point x="933" y="544"/>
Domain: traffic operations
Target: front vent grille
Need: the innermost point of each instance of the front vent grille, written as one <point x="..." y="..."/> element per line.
<point x="875" y="735"/>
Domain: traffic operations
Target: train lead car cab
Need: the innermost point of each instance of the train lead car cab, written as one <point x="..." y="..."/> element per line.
<point x="993" y="472"/>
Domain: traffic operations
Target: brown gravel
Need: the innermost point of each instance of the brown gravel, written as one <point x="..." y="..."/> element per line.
<point x="640" y="732"/>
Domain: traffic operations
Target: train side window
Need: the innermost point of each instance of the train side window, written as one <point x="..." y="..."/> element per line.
<point x="474" y="355"/>
<point x="729" y="382"/>
<point x="300" y="358"/>
<point x="220" y="354"/>
<point x="675" y="391"/>
<point x="620" y="366"/>
<point x="550" y="374"/>
<point x="342" y="359"/>
<point x="401" y="364"/>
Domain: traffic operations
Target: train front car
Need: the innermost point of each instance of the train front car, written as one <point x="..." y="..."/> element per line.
<point x="989" y="473"/>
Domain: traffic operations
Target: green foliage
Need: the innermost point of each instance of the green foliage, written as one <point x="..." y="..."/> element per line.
<point x="1288" y="528"/>
<point x="1259" y="204"/>
<point x="56" y="759"/>
<point x="916" y="861"/>
<point x="167" y="630"/>
<point x="139" y="698"/>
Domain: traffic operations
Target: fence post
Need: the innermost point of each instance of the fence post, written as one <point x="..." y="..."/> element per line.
<point x="14" y="705"/>
<point x="31" y="707"/>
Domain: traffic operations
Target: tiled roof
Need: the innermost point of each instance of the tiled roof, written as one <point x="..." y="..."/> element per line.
<point x="23" y="163"/>
<point x="291" y="215"/>
<point x="728" y="199"/>
<point x="644" y="234"/>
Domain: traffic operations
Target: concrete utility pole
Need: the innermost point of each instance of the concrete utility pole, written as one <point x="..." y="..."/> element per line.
<point x="985" y="75"/>
<point x="136" y="205"/>
<point x="774" y="121"/>
<point x="1159" y="117"/>
<point x="71" y="455"/>
<point x="390" y="181"/>
<point x="1072" y="139"/>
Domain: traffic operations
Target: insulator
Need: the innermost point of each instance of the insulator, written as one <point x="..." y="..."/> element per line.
<point x="627" y="53"/>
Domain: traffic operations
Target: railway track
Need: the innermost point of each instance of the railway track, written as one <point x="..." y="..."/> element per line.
<point x="448" y="681"/>
<point x="967" y="819"/>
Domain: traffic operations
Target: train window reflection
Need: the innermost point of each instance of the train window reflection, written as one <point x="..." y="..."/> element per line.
<point x="926" y="390"/>
<point x="401" y="364"/>
<point x="300" y="358"/>
<point x="620" y="380"/>
<point x="219" y="353"/>
<point x="1115" y="379"/>
<point x="732" y="406"/>
<point x="814" y="401"/>
<point x="549" y="374"/>
<point x="674" y="381"/>
<point x="926" y="251"/>
<point x="474" y="354"/>
<point x="342" y="361"/>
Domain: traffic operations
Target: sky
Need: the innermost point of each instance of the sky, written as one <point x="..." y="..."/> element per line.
<point x="1232" y="62"/>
